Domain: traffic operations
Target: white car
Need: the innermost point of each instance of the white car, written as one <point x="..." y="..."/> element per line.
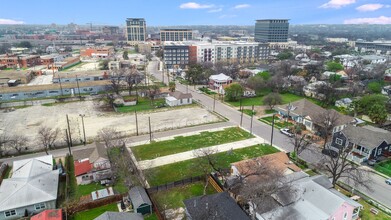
<point x="388" y="181"/>
<point x="199" y="91"/>
<point x="286" y="132"/>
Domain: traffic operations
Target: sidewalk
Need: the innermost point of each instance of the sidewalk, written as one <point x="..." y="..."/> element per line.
<point x="173" y="158"/>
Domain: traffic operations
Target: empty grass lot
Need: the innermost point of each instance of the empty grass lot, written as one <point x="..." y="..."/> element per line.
<point x="93" y="213"/>
<point x="182" y="144"/>
<point x="188" y="168"/>
<point x="143" y="104"/>
<point x="258" y="100"/>
<point x="173" y="198"/>
<point x="384" y="167"/>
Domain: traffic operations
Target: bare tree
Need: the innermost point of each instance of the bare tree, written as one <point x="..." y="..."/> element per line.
<point x="47" y="136"/>
<point x="132" y="79"/>
<point x="300" y="143"/>
<point x="18" y="142"/>
<point x="327" y="120"/>
<point x="110" y="137"/>
<point x="4" y="139"/>
<point x="153" y="91"/>
<point x="206" y="162"/>
<point x="116" y="79"/>
<point x="340" y="168"/>
<point x="272" y="99"/>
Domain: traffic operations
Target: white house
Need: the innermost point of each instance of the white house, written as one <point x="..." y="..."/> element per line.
<point x="178" y="98"/>
<point x="216" y="81"/>
<point x="31" y="189"/>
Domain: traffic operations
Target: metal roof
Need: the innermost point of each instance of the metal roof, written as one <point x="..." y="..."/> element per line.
<point x="138" y="196"/>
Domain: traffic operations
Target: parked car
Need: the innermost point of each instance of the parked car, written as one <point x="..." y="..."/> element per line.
<point x="330" y="153"/>
<point x="199" y="91"/>
<point x="286" y="132"/>
<point x="372" y="162"/>
<point x="388" y="181"/>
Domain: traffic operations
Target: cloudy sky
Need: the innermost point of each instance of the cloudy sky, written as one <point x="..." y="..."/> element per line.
<point x="193" y="12"/>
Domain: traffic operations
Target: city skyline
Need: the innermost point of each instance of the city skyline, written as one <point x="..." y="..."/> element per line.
<point x="210" y="12"/>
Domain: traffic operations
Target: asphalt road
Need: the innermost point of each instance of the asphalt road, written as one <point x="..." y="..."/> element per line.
<point x="381" y="191"/>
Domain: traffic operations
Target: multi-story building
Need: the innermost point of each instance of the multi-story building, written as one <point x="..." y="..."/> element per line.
<point x="379" y="47"/>
<point x="176" y="34"/>
<point x="97" y="52"/>
<point x="109" y="30"/>
<point x="176" y="55"/>
<point x="135" y="30"/>
<point x="19" y="61"/>
<point x="271" y="30"/>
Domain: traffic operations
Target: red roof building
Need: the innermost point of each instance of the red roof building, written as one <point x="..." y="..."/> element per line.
<point x="51" y="214"/>
<point x="82" y="167"/>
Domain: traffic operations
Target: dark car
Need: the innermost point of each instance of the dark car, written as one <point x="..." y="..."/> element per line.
<point x="330" y="153"/>
<point x="388" y="181"/>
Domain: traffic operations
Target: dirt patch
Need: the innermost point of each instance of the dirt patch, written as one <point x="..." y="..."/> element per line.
<point x="28" y="120"/>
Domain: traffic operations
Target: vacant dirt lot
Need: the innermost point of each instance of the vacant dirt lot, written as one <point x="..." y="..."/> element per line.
<point x="28" y="120"/>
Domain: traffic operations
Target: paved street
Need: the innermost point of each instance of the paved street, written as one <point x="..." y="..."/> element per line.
<point x="382" y="191"/>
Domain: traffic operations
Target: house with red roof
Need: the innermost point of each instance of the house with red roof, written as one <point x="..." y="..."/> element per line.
<point x="50" y="214"/>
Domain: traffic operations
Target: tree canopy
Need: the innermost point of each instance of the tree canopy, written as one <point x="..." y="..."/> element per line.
<point x="334" y="66"/>
<point x="233" y="92"/>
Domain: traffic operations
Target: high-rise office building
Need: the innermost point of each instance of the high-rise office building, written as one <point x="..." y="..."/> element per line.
<point x="271" y="30"/>
<point x="176" y="34"/>
<point x="135" y="30"/>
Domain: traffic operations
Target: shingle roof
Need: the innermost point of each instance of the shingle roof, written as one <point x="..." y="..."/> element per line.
<point x="120" y="216"/>
<point x="51" y="214"/>
<point x="28" y="188"/>
<point x="367" y="136"/>
<point x="93" y="154"/>
<point x="217" y="206"/>
<point x="138" y="196"/>
<point x="180" y="95"/>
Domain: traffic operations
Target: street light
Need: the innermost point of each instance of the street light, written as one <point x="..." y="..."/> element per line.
<point x="84" y="130"/>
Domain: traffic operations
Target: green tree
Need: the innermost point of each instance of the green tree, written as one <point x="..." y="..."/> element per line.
<point x="334" y="78"/>
<point x="265" y="75"/>
<point x="285" y="55"/>
<point x="194" y="74"/>
<point x="272" y="99"/>
<point x="125" y="55"/>
<point x="334" y="66"/>
<point x="366" y="102"/>
<point x="104" y="65"/>
<point x="374" y="87"/>
<point x="26" y="44"/>
<point x="378" y="113"/>
<point x="233" y="92"/>
<point x="172" y="86"/>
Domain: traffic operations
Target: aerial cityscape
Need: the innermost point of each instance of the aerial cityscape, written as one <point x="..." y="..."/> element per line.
<point x="170" y="110"/>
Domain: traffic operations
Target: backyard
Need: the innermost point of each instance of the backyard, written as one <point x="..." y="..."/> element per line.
<point x="384" y="167"/>
<point x="173" y="198"/>
<point x="188" y="168"/>
<point x="258" y="100"/>
<point x="187" y="143"/>
<point x="93" y="213"/>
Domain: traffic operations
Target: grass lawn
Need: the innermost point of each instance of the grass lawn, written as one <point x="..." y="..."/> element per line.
<point x="384" y="167"/>
<point x="152" y="216"/>
<point x="7" y="172"/>
<point x="188" y="168"/>
<point x="258" y="100"/>
<point x="249" y="112"/>
<point x="143" y="104"/>
<point x="270" y="111"/>
<point x="173" y="198"/>
<point x="207" y="91"/>
<point x="93" y="213"/>
<point x="277" y="123"/>
<point x="182" y="144"/>
<point x="83" y="190"/>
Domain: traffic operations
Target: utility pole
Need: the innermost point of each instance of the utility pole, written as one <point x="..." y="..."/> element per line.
<point x="69" y="146"/>
<point x="271" y="138"/>
<point x="187" y="87"/>
<point x="84" y="130"/>
<point x="214" y="101"/>
<point x="69" y="132"/>
<point x="78" y="88"/>
<point x="251" y="124"/>
<point x="59" y="80"/>
<point x="150" y="131"/>
<point x="135" y="114"/>
<point x="241" y="114"/>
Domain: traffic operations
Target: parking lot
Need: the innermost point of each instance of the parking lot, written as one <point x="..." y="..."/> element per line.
<point x="27" y="120"/>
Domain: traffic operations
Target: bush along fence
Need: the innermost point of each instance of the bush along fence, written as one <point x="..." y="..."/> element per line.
<point x="3" y="171"/>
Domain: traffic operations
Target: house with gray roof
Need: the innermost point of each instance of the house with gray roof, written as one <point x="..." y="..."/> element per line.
<point x="178" y="98"/>
<point x="140" y="200"/>
<point x="313" y="198"/>
<point x="305" y="112"/>
<point x="119" y="216"/>
<point x="216" y="206"/>
<point x="31" y="189"/>
<point x="366" y="142"/>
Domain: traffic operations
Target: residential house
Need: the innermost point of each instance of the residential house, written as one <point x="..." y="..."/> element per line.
<point x="178" y="98"/>
<point x="366" y="142"/>
<point x="313" y="198"/>
<point x="119" y="216"/>
<point x="92" y="164"/>
<point x="52" y="214"/>
<point x="140" y="200"/>
<point x="306" y="112"/>
<point x="216" y="206"/>
<point x="216" y="81"/>
<point x="344" y="103"/>
<point x="31" y="189"/>
<point x="387" y="75"/>
<point x="311" y="89"/>
<point x="328" y="74"/>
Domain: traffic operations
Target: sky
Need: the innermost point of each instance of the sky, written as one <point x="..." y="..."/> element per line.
<point x="195" y="12"/>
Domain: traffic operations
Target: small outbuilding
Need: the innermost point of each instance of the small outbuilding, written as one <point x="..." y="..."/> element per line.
<point x="178" y="98"/>
<point x="140" y="200"/>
